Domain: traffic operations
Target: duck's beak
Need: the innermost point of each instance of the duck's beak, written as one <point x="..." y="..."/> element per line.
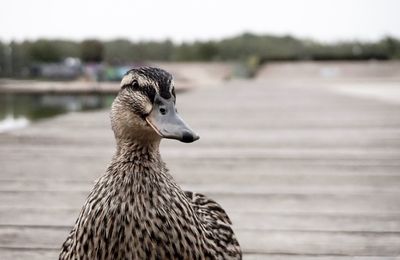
<point x="164" y="119"/>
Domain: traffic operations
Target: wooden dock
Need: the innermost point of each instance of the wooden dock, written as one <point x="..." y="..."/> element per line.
<point x="305" y="172"/>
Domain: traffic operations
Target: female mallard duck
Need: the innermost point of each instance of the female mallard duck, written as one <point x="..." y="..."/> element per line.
<point x="136" y="210"/>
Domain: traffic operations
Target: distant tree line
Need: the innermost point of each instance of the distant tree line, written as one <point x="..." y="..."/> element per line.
<point x="17" y="57"/>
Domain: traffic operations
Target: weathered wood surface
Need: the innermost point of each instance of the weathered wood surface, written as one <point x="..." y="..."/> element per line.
<point x="303" y="171"/>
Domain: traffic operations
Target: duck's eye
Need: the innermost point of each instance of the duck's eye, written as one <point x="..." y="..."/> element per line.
<point x="163" y="111"/>
<point x="134" y="84"/>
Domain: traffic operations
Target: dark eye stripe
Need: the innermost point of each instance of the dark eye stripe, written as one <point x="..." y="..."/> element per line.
<point x="133" y="85"/>
<point x="148" y="91"/>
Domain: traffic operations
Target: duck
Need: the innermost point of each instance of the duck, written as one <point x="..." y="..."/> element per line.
<point x="136" y="210"/>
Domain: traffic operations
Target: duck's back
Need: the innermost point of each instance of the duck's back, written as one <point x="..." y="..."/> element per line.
<point x="216" y="221"/>
<point x="158" y="222"/>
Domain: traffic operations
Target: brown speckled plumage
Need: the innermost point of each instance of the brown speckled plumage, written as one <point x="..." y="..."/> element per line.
<point x="136" y="210"/>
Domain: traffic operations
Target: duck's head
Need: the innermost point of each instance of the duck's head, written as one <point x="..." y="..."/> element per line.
<point x="144" y="109"/>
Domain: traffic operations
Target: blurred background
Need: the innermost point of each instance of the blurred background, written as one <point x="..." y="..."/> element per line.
<point x="297" y="104"/>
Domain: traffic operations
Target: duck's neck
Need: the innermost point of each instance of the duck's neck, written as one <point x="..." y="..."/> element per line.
<point x="137" y="166"/>
<point x="137" y="151"/>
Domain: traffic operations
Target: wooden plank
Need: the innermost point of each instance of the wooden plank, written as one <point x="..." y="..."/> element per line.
<point x="28" y="253"/>
<point x="41" y="254"/>
<point x="258" y="137"/>
<point x="216" y="171"/>
<point x="311" y="221"/>
<point x="252" y="241"/>
<point x="321" y="242"/>
<point x="283" y="203"/>
<point x="312" y="257"/>
<point x="262" y="186"/>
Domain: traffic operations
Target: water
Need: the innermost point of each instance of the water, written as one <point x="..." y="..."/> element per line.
<point x="19" y="110"/>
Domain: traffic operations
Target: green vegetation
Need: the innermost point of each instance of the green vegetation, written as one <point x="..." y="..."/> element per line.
<point x="16" y="58"/>
<point x="91" y="51"/>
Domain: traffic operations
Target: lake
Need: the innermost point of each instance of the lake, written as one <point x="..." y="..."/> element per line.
<point x="19" y="110"/>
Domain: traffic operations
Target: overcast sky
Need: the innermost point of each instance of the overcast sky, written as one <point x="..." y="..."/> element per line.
<point x="324" y="20"/>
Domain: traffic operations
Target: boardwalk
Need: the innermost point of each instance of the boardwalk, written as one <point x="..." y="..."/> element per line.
<point x="304" y="170"/>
